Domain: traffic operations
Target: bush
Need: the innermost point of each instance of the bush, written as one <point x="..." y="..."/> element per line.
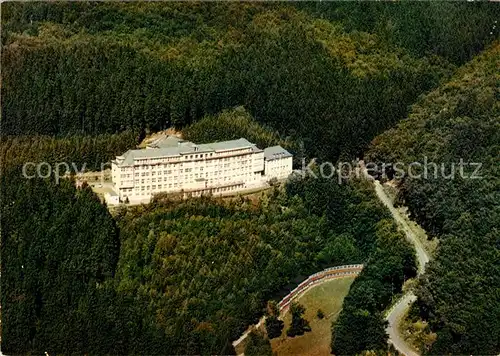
<point x="299" y="325"/>
<point x="258" y="345"/>
<point x="274" y="326"/>
<point x="320" y="314"/>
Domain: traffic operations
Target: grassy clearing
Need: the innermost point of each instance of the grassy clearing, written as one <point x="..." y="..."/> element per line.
<point x="328" y="297"/>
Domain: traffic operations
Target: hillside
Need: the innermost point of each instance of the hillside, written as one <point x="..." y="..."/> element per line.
<point x="190" y="275"/>
<point x="85" y="81"/>
<point x="233" y="124"/>
<point x="95" y="68"/>
<point x="458" y="295"/>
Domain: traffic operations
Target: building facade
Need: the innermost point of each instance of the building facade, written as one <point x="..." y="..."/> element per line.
<point x="171" y="165"/>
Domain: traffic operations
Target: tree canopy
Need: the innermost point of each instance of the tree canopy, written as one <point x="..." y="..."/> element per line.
<point x="59" y="248"/>
<point x="95" y="68"/>
<point x="458" y="295"/>
<point x="84" y="81"/>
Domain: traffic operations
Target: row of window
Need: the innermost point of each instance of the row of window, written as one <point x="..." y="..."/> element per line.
<point x="189" y="178"/>
<point x="225" y="175"/>
<point x="154" y="163"/>
<point x="146" y="191"/>
<point x="196" y="175"/>
<point x="186" y="170"/>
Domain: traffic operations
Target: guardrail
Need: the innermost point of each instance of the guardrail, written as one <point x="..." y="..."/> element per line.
<point x="313" y="279"/>
<point x="319" y="277"/>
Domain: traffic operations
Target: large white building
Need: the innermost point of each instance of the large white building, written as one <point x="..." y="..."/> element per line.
<point x="171" y="164"/>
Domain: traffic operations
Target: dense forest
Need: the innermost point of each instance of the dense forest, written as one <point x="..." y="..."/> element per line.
<point x="458" y="295"/>
<point x="184" y="276"/>
<point x="233" y="124"/>
<point x="454" y="31"/>
<point x="94" y="68"/>
<point x="59" y="247"/>
<point x="80" y="152"/>
<point x="85" y="81"/>
<point x="206" y="268"/>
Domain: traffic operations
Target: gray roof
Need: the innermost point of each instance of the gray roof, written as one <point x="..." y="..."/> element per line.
<point x="166" y="141"/>
<point x="275" y="152"/>
<point x="226" y="145"/>
<point x="255" y="149"/>
<point x="183" y="147"/>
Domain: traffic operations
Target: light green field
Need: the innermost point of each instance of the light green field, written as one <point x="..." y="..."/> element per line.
<point x="328" y="297"/>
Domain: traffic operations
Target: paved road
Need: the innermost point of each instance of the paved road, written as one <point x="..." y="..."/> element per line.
<point x="422" y="255"/>
<point x="393" y="318"/>
<point x="397" y="312"/>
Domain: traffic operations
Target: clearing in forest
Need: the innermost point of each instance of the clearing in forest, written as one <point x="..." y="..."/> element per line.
<point x="328" y="297"/>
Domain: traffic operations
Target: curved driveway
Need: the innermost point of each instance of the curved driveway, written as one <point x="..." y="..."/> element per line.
<point x="394" y="317"/>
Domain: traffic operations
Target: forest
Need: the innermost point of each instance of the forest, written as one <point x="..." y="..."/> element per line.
<point x="233" y="124"/>
<point x="85" y="81"/>
<point x="458" y="295"/>
<point x="91" y="68"/>
<point x="183" y="276"/>
<point x="59" y="248"/>
<point x="85" y="152"/>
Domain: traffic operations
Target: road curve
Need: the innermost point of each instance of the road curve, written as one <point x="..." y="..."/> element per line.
<point x="397" y="312"/>
<point x="394" y="317"/>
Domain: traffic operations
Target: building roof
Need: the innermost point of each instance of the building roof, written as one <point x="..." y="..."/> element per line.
<point x="275" y="152"/>
<point x="226" y="145"/>
<point x="255" y="149"/>
<point x="166" y="141"/>
<point x="165" y="147"/>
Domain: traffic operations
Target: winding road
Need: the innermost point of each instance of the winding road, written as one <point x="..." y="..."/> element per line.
<point x="397" y="312"/>
<point x="422" y="255"/>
